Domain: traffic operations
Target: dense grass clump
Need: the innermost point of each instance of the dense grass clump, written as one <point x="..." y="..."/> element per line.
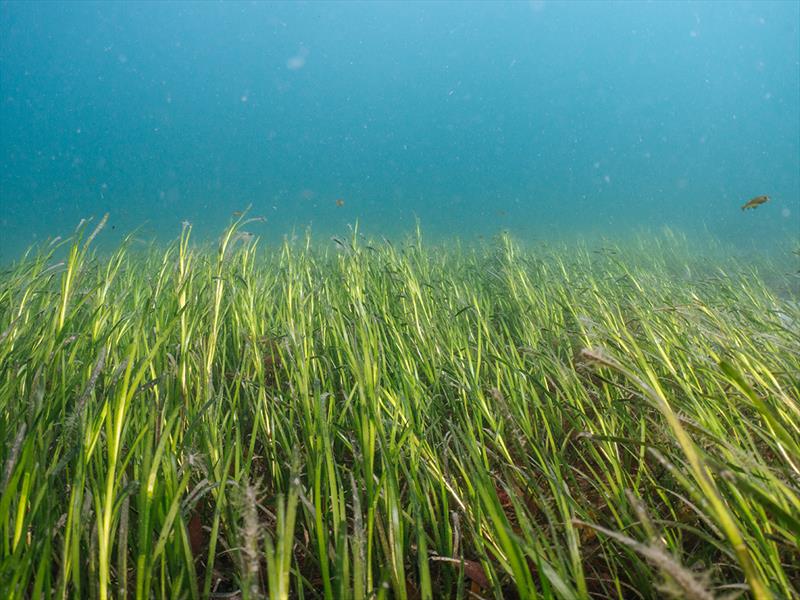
<point x="376" y="421"/>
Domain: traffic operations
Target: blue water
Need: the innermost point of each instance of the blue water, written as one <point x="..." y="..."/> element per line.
<point x="547" y="119"/>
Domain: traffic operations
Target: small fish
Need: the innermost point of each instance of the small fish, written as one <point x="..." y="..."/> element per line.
<point x="340" y="202"/>
<point x="757" y="201"/>
<point x="244" y="236"/>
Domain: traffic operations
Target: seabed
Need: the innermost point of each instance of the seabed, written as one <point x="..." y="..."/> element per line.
<point x="366" y="420"/>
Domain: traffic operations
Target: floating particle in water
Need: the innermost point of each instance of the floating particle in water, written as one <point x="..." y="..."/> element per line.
<point x="537" y="5"/>
<point x="340" y="202"/>
<point x="295" y="63"/>
<point x="298" y="61"/>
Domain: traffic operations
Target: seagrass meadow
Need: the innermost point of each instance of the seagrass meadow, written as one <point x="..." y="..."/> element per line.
<point x="360" y="419"/>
